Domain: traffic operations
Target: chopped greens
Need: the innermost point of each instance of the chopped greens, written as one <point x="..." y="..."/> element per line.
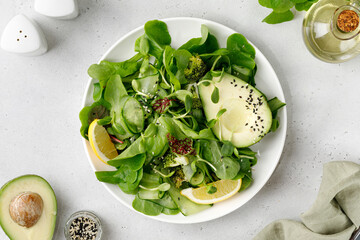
<point x="151" y="108"/>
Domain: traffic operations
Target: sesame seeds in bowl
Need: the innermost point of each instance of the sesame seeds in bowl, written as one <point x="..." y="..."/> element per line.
<point x="83" y="225"/>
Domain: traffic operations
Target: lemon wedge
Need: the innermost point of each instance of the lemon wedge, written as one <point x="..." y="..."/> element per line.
<point x="100" y="142"/>
<point x="224" y="190"/>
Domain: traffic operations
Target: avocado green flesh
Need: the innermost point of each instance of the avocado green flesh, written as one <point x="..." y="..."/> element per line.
<point x="247" y="118"/>
<point x="44" y="228"/>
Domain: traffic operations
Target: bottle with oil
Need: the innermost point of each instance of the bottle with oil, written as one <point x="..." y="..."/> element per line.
<point x="331" y="30"/>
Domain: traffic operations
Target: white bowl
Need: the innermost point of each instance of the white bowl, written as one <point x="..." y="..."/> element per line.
<point x="270" y="148"/>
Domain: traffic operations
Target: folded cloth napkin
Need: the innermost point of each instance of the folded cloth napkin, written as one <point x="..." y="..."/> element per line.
<point x="334" y="215"/>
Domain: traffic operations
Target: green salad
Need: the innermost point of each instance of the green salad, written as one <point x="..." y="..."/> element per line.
<point x="180" y="119"/>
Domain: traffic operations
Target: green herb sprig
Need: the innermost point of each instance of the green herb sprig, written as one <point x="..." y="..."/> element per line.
<point x="282" y="9"/>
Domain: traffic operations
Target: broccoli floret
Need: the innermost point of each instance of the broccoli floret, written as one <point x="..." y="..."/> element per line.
<point x="172" y="160"/>
<point x="169" y="160"/>
<point x="179" y="177"/>
<point x="196" y="103"/>
<point x="196" y="69"/>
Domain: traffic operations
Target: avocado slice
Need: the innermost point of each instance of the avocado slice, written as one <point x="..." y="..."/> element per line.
<point x="247" y="118"/>
<point x="28" y="208"/>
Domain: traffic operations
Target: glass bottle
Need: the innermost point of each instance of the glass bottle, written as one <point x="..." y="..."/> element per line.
<point x="331" y="30"/>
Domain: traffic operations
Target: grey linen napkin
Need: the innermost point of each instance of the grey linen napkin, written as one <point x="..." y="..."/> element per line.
<point x="334" y="215"/>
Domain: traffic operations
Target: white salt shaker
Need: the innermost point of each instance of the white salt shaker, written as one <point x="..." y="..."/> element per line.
<point x="23" y="36"/>
<point x="60" y="9"/>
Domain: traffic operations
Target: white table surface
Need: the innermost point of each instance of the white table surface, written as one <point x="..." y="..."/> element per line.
<point x="40" y="98"/>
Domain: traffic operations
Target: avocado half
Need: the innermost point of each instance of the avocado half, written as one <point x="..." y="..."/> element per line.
<point x="248" y="117"/>
<point x="43" y="228"/>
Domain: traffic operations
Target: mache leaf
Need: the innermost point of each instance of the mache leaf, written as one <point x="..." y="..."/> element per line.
<point x="275" y="17"/>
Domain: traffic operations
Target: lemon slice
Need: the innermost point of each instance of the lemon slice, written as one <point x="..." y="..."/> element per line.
<point x="224" y="190"/>
<point x="100" y="142"/>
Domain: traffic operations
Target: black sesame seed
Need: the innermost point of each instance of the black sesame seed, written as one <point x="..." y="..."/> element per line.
<point x="246" y="124"/>
<point x="240" y="96"/>
<point x="235" y="85"/>
<point x="231" y="83"/>
<point x="242" y="86"/>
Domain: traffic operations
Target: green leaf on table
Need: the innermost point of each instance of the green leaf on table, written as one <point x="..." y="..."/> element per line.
<point x="304" y="6"/>
<point x="275" y="17"/>
<point x="277" y="5"/>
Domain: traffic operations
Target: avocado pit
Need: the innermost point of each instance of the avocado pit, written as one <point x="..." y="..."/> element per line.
<point x="26" y="209"/>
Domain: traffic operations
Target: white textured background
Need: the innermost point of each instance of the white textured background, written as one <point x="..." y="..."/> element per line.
<point x="40" y="99"/>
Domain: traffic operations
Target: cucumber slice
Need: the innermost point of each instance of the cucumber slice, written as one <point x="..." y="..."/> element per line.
<point x="242" y="72"/>
<point x="198" y="178"/>
<point x="166" y="202"/>
<point x="186" y="206"/>
<point x="149" y="194"/>
<point x="168" y="211"/>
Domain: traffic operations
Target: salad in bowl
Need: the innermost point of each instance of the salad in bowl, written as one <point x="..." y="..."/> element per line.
<point x="176" y="125"/>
